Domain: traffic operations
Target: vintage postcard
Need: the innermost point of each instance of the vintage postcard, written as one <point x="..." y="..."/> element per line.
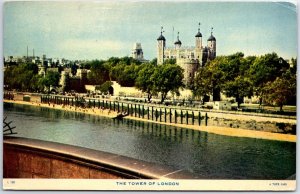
<point x="149" y="95"/>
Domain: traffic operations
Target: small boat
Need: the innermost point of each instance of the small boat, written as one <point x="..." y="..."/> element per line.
<point x="121" y="116"/>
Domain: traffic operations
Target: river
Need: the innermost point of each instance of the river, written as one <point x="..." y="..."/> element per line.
<point x="209" y="155"/>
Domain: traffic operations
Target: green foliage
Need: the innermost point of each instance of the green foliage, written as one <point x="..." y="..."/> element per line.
<point x="278" y="92"/>
<point x="145" y="81"/>
<point x="104" y="88"/>
<point x="51" y="79"/>
<point x="167" y="78"/>
<point x="99" y="72"/>
<point x="266" y="69"/>
<point x="170" y="61"/>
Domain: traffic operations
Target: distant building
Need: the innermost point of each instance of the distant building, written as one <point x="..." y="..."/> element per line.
<point x="137" y="52"/>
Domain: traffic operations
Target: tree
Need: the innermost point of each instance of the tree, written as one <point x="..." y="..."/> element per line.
<point x="167" y="78"/>
<point x="238" y="88"/>
<point x="266" y="69"/>
<point x="51" y="79"/>
<point x="144" y="80"/>
<point x="104" y="88"/>
<point x="99" y="73"/>
<point x="202" y="86"/>
<point x="281" y="90"/>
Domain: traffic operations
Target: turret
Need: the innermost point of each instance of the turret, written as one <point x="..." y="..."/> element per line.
<point x="198" y="37"/>
<point x="161" y="44"/>
<point x="211" y="44"/>
<point x="178" y="42"/>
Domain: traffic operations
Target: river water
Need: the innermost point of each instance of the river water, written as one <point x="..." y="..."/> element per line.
<point x="209" y="155"/>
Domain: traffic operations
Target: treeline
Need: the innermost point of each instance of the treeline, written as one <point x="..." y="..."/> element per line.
<point x="268" y="77"/>
<point x="25" y="77"/>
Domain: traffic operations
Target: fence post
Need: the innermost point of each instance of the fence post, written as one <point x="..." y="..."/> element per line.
<point x="187" y="117"/>
<point x="199" y="118"/>
<point x="181" y="116"/>
<point x="193" y="119"/>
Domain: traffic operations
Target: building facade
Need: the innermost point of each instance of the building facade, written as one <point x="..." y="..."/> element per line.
<point x="188" y="58"/>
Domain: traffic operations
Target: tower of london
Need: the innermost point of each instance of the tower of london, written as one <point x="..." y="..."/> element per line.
<point x="188" y="58"/>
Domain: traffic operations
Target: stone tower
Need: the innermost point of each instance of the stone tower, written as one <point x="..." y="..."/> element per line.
<point x="198" y="46"/>
<point x="137" y="52"/>
<point x="161" y="44"/>
<point x="211" y="44"/>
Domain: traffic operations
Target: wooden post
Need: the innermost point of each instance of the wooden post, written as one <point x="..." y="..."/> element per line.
<point x="170" y="115"/>
<point x="152" y="113"/>
<point x="199" y="118"/>
<point x="135" y="110"/>
<point x="118" y="107"/>
<point x="142" y="111"/>
<point x="122" y="106"/>
<point x="156" y="114"/>
<point x="165" y="115"/>
<point x="139" y="111"/>
<point x="94" y="103"/>
<point x="175" y="116"/>
<point x="187" y="117"/>
<point x="206" y="118"/>
<point x="160" y="115"/>
<point x="148" y="113"/>
<point x="110" y="107"/>
<point x="181" y="116"/>
<point x="193" y="119"/>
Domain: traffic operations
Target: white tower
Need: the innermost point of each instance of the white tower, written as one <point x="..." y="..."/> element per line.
<point x="161" y="44"/>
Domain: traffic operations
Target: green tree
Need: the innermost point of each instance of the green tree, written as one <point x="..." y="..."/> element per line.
<point x="281" y="90"/>
<point x="144" y="80"/>
<point x="202" y="86"/>
<point x="239" y="88"/>
<point x="51" y="79"/>
<point x="266" y="69"/>
<point x="99" y="73"/>
<point x="167" y="78"/>
<point x="104" y="88"/>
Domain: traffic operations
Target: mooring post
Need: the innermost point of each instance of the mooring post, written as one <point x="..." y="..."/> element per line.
<point x="193" y="119"/>
<point x="142" y="111"/>
<point x="139" y="110"/>
<point x="156" y="114"/>
<point x="187" y="117"/>
<point x="152" y="113"/>
<point x="170" y="112"/>
<point x="148" y="113"/>
<point x="135" y="110"/>
<point x="181" y="116"/>
<point x="122" y="106"/>
<point x="206" y="118"/>
<point x="165" y="115"/>
<point x="175" y="116"/>
<point x="160" y="115"/>
<point x="199" y="118"/>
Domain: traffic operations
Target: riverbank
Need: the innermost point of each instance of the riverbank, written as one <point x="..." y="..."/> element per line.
<point x="227" y="131"/>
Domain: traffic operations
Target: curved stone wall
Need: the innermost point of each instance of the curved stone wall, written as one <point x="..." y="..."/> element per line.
<point x="30" y="158"/>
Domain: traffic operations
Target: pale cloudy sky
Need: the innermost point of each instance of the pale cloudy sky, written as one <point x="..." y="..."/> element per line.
<point x="98" y="30"/>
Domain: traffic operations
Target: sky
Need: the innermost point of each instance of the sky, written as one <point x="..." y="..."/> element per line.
<point x="99" y="30"/>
